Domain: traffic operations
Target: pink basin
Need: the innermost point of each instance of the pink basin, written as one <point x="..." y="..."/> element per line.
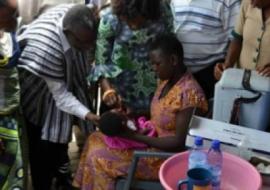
<point x="237" y="174"/>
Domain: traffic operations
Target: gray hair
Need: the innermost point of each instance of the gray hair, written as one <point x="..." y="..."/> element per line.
<point x="80" y="16"/>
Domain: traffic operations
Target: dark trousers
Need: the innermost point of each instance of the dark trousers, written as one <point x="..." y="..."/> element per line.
<point x="45" y="158"/>
<point x="207" y="80"/>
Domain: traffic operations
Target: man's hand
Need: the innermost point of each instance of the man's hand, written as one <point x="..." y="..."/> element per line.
<point x="92" y="117"/>
<point x="264" y="70"/>
<point x="219" y="68"/>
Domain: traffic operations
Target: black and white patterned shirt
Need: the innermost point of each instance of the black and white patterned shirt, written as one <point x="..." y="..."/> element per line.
<point x="47" y="59"/>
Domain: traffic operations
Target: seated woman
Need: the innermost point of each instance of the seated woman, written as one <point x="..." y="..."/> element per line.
<point x="171" y="109"/>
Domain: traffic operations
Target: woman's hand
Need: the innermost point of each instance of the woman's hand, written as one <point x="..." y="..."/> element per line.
<point x="111" y="98"/>
<point x="264" y="70"/>
<point x="92" y="117"/>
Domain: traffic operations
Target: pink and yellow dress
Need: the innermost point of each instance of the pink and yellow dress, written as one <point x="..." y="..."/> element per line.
<point x="100" y="165"/>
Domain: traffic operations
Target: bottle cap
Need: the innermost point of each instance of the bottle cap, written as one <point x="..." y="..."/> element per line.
<point x="198" y="141"/>
<point x="216" y="144"/>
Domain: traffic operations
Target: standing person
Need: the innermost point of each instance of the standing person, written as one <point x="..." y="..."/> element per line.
<point x="171" y="109"/>
<point x="204" y="29"/>
<point x="122" y="60"/>
<point x="53" y="70"/>
<point x="249" y="48"/>
<point x="11" y="162"/>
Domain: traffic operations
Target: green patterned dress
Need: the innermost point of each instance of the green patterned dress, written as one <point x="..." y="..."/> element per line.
<point x="122" y="55"/>
<point x="11" y="162"/>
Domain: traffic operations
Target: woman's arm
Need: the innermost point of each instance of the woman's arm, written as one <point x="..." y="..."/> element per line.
<point x="171" y="143"/>
<point x="109" y="94"/>
<point x="104" y="64"/>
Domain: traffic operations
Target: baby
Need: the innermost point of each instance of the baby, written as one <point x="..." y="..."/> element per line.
<point x="113" y="123"/>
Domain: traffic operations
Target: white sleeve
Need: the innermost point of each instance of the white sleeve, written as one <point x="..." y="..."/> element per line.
<point x="65" y="100"/>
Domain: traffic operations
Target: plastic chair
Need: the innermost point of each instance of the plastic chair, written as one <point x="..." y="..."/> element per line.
<point x="129" y="183"/>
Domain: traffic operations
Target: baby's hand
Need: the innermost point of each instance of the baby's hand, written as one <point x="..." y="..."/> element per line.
<point x="146" y="127"/>
<point x="145" y="131"/>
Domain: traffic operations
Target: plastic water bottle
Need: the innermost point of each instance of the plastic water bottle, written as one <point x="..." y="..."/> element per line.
<point x="215" y="159"/>
<point x="197" y="157"/>
<point x="243" y="149"/>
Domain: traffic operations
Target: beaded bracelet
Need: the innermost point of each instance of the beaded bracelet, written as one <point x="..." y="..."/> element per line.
<point x="107" y="92"/>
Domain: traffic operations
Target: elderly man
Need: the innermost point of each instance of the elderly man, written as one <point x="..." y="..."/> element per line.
<point x="53" y="69"/>
<point x="11" y="162"/>
<point x="204" y="28"/>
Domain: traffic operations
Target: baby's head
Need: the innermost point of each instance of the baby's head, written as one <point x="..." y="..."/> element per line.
<point x="112" y="123"/>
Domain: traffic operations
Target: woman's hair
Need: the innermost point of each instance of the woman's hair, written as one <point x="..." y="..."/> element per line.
<point x="169" y="45"/>
<point x="111" y="123"/>
<point x="149" y="9"/>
